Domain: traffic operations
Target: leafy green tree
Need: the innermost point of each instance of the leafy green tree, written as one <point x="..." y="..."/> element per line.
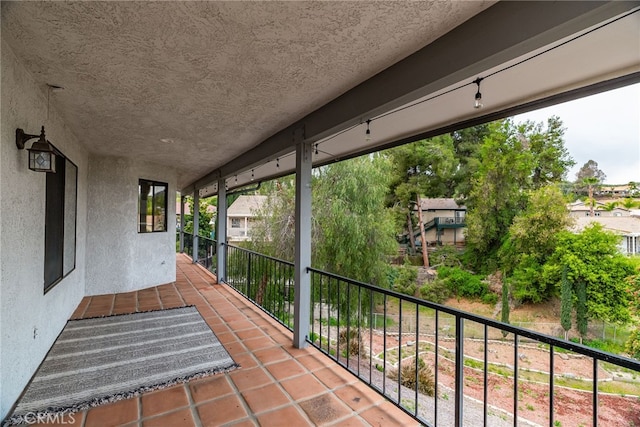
<point x="495" y="196"/>
<point x="532" y="240"/>
<point x="592" y="257"/>
<point x="513" y="159"/>
<point x="552" y="159"/>
<point x="423" y="168"/>
<point x="204" y="218"/>
<point x="632" y="345"/>
<point x="609" y="206"/>
<point x="354" y="232"/>
<point x="566" y="300"/>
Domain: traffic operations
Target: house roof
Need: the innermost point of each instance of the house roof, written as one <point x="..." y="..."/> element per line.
<point x="580" y="206"/>
<point x="624" y="225"/>
<point x="440" y="204"/>
<point x="246" y="206"/>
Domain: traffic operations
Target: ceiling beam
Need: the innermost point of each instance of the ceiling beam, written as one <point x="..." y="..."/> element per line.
<point x="499" y="34"/>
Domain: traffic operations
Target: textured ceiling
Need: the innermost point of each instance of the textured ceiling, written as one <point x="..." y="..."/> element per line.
<point x="215" y="78"/>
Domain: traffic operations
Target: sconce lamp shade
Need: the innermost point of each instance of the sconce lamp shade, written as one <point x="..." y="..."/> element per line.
<point x="42" y="156"/>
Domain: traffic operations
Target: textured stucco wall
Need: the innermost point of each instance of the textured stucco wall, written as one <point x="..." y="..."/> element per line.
<point x="30" y="321"/>
<point x="119" y="259"/>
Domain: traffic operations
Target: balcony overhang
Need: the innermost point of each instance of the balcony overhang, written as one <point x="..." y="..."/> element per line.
<point x="218" y="89"/>
<point x="529" y="56"/>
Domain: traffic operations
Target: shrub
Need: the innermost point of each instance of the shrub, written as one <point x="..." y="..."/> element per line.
<point x="426" y="382"/>
<point x="351" y="343"/>
<point x="436" y="291"/>
<point x="633" y="344"/>
<point x="406" y="281"/>
<point x="447" y="256"/>
<point x="463" y="283"/>
<point x="490" y="298"/>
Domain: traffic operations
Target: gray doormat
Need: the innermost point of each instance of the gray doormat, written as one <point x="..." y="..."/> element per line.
<point x="102" y="360"/>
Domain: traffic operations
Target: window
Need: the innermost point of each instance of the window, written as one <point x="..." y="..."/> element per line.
<point x="235" y="222"/>
<point x="60" y="222"/>
<point x="152" y="206"/>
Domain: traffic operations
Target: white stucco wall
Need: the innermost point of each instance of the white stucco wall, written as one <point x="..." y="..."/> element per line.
<point x="119" y="259"/>
<point x="30" y="320"/>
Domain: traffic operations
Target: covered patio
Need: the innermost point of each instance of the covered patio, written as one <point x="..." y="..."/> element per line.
<point x="275" y="382"/>
<point x="142" y="100"/>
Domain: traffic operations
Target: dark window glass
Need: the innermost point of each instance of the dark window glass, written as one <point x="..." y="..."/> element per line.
<point x="60" y="222"/>
<point x="152" y="206"/>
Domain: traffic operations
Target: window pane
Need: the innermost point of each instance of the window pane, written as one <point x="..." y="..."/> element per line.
<point x="152" y="206"/>
<point x="160" y="207"/>
<point x="70" y="197"/>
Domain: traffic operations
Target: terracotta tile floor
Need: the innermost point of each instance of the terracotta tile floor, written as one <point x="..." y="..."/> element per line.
<point x="277" y="384"/>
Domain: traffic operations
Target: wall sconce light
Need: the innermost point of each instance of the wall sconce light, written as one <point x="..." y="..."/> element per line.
<point x="42" y="156"/>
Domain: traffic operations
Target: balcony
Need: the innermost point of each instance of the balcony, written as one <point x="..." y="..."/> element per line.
<point x="276" y="383"/>
<point x="484" y="372"/>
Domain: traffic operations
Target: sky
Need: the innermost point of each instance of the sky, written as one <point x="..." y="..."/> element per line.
<point x="604" y="128"/>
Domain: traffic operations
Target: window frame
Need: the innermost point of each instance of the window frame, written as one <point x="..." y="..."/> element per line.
<point x="60" y="236"/>
<point x="143" y="226"/>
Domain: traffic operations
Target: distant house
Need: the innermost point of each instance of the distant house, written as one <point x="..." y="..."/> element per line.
<point x="615" y="190"/>
<point x="444" y="221"/>
<point x="627" y="227"/>
<point x="241" y="215"/>
<point x="580" y="209"/>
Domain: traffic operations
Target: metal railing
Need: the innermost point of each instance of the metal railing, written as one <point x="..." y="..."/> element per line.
<point x="207" y="249"/>
<point x="440" y="365"/>
<point x="264" y="280"/>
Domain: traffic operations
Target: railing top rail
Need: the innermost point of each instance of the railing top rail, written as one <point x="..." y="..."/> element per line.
<point x="547" y="339"/>
<point x="200" y="236"/>
<point x="289" y="263"/>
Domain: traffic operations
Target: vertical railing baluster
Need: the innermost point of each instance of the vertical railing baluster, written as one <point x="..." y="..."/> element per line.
<point x="459" y="379"/>
<point x="384" y="346"/>
<point x="595" y="392"/>
<point x="515" y="380"/>
<point x="436" y="348"/>
<point x="370" y="334"/>
<point x="338" y="322"/>
<point x="359" y="333"/>
<point x="348" y="323"/>
<point x="400" y="352"/>
<point x="551" y="378"/>
<point x="417" y="354"/>
<point x="485" y="382"/>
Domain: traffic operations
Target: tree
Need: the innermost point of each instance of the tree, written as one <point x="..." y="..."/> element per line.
<point x="588" y="177"/>
<point x="566" y="300"/>
<point x="423" y="168"/>
<point x="609" y="206"/>
<point x="590" y="182"/>
<point x="592" y="258"/>
<point x="532" y="240"/>
<point x="354" y="230"/>
<point x="629" y="203"/>
<point x="505" y="306"/>
<point x="204" y="217"/>
<point x="590" y="170"/>
<point x="495" y="197"/>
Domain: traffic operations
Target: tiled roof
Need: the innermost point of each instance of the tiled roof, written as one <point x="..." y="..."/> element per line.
<point x="619" y="224"/>
<point x="246" y="206"/>
<point x="440" y="204"/>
